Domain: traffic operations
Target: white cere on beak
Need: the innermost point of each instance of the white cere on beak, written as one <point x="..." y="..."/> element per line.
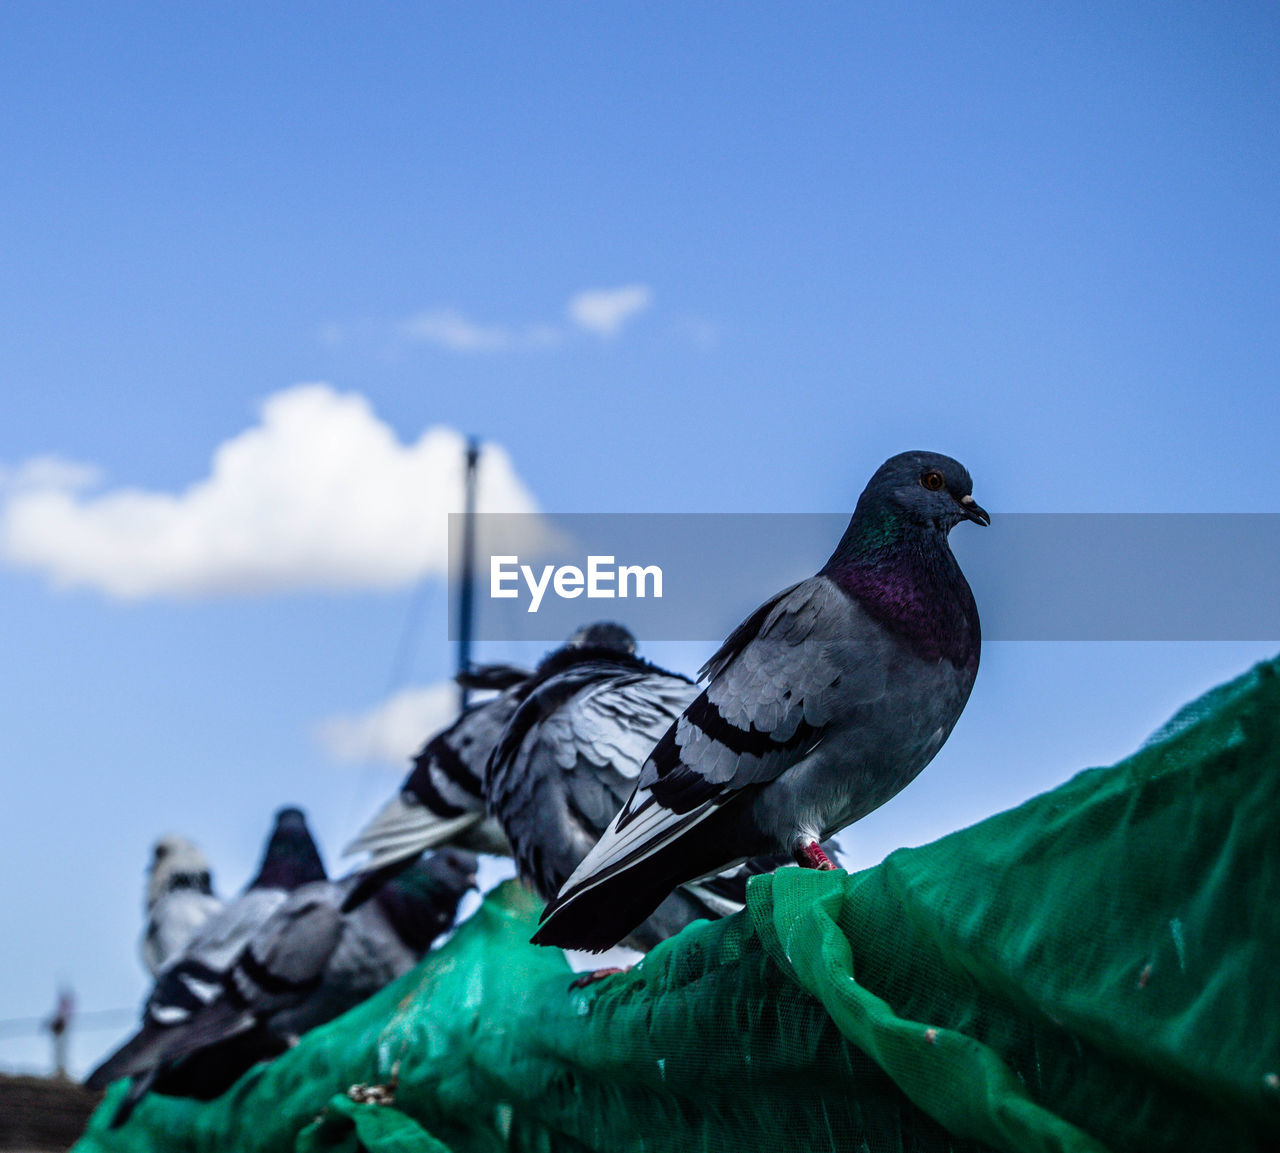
<point x="967" y="499"/>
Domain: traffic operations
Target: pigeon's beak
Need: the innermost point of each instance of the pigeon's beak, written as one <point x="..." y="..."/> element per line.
<point x="974" y="511"/>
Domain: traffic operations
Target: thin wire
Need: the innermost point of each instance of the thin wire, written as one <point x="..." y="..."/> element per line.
<point x="95" y="1019"/>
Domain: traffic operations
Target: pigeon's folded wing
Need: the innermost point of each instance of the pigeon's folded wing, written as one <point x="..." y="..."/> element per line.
<point x="218" y="942"/>
<point x="442" y="799"/>
<point x="569" y="758"/>
<point x="286" y="959"/>
<point x="776" y="687"/>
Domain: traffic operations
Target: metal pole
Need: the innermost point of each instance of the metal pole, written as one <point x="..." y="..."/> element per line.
<point x="59" y="1027"/>
<point x="466" y="603"/>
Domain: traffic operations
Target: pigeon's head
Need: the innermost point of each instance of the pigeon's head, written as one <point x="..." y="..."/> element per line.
<point x="422" y="902"/>
<point x="924" y="488"/>
<point x="176" y="863"/>
<point x="607" y="635"/>
<point x="291" y="858"/>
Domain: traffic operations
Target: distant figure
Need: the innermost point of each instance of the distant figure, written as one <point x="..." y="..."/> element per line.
<point x="179" y="899"/>
<point x="59" y="1028"/>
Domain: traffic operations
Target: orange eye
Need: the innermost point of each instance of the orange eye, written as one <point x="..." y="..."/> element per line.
<point x="932" y="480"/>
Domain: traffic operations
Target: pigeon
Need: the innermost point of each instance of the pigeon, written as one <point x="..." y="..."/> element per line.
<point x="441" y="801"/>
<point x="824" y="703"/>
<point x="305" y="965"/>
<point x="385" y="937"/>
<point x="179" y="899"/>
<point x="189" y="979"/>
<point x="569" y="758"/>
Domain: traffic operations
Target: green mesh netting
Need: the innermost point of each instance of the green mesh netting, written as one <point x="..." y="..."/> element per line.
<point x="1097" y="969"/>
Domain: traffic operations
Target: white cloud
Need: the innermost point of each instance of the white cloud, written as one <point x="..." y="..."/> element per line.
<point x="319" y="493"/>
<point x="392" y="731"/>
<point x="49" y="472"/>
<point x="450" y="329"/>
<point x="605" y="310"/>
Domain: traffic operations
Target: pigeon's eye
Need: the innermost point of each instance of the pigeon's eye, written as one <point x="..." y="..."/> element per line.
<point x="932" y="480"/>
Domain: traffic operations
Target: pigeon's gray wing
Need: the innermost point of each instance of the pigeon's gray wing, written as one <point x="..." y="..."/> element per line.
<point x="570" y="757"/>
<point x="384" y="938"/>
<point x="367" y="956"/>
<point x="217" y="942"/>
<point x="777" y="686"/>
<point x="441" y="801"/>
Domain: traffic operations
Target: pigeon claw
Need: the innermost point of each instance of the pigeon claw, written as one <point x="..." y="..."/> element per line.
<point x="592" y="977"/>
<point x="811" y="856"/>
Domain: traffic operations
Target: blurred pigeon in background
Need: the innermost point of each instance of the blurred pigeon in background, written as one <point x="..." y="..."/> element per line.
<point x="569" y="757"/>
<point x="822" y="705"/>
<point x="179" y="899"/>
<point x="385" y="937"/>
<point x="305" y="965"/>
<point x="191" y="978"/>
<point x="441" y="801"/>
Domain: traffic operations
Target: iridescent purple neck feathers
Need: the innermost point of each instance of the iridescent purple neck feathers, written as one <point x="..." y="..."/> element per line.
<point x="905" y="577"/>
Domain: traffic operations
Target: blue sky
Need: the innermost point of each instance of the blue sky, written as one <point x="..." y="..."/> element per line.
<point x="1042" y="240"/>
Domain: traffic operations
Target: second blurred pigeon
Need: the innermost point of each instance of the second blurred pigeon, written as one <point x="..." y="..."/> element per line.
<point x="441" y="801"/>
<point x="179" y="899"/>
<point x="569" y="758"/>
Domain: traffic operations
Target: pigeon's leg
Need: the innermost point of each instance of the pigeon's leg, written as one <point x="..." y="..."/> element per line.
<point x="595" y="975"/>
<point x="810" y="856"/>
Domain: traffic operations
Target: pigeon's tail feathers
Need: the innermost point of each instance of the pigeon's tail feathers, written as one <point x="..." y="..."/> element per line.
<point x="213" y="1026"/>
<point x="401" y="830"/>
<point x="719" y="900"/>
<point x="139" y="1088"/>
<point x="494" y="678"/>
<point x="606" y="899"/>
<point x="642" y="829"/>
<point x="726" y="892"/>
<point x="211" y="1071"/>
<point x="133" y="1057"/>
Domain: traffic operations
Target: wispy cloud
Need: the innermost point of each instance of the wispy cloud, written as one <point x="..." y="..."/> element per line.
<point x="449" y="329"/>
<point x="604" y="311"/>
<point x="393" y="730"/>
<point x="43" y="472"/>
<point x="320" y="493"/>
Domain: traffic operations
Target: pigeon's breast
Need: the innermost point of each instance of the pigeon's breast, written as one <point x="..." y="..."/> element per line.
<point x="873" y="752"/>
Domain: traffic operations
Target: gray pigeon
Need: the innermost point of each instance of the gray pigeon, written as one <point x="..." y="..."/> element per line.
<point x="822" y="705"/>
<point x="191" y="978"/>
<point x="305" y="965"/>
<point x="179" y="899"/>
<point x="385" y="937"/>
<point x="569" y="757"/>
<point x="441" y="801"/>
